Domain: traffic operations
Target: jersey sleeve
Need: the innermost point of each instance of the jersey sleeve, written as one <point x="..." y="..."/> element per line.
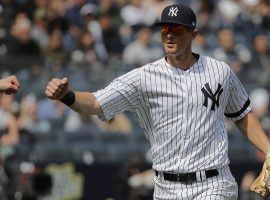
<point x="122" y="94"/>
<point x="238" y="105"/>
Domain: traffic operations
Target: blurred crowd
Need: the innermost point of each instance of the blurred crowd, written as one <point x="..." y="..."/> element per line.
<point x="93" y="41"/>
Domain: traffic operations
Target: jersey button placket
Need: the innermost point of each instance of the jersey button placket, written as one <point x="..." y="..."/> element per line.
<point x="186" y="102"/>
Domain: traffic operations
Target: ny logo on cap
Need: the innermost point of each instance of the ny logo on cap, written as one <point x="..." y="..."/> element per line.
<point x="173" y="11"/>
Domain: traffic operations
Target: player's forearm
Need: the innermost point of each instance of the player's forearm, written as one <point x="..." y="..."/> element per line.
<point x="252" y="129"/>
<point x="81" y="102"/>
<point x="86" y="104"/>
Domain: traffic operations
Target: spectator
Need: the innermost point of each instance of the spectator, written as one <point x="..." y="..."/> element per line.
<point x="87" y="46"/>
<point x="264" y="11"/>
<point x="228" y="12"/>
<point x="21" y="46"/>
<point x="8" y="12"/>
<point x="88" y="12"/>
<point x="260" y="62"/>
<point x="72" y="13"/>
<point x="111" y="36"/>
<point x="135" y="14"/>
<point x="245" y="193"/>
<point x="205" y="13"/>
<point x="51" y="110"/>
<point x="86" y="62"/>
<point x="39" y="31"/>
<point x="155" y="7"/>
<point x="259" y="97"/>
<point x="135" y="180"/>
<point x="9" y="136"/>
<point x="9" y="104"/>
<point x="28" y="120"/>
<point x="76" y="123"/>
<point x="200" y="44"/>
<point x="54" y="52"/>
<point x="56" y="16"/>
<point x="107" y="6"/>
<point x="142" y="50"/>
<point x="229" y="51"/>
<point x="112" y="9"/>
<point x="3" y="33"/>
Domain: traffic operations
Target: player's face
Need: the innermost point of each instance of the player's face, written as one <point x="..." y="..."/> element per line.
<point x="176" y="39"/>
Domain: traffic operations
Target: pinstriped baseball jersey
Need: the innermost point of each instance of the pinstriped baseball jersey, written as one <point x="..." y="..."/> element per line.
<point x="181" y="111"/>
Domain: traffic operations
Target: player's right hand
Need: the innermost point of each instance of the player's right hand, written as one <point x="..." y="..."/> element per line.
<point x="57" y="88"/>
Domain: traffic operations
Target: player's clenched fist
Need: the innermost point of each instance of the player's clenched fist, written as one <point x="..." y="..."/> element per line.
<point x="57" y="88"/>
<point x="9" y="85"/>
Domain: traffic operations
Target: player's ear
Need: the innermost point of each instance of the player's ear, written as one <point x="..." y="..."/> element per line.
<point x="194" y="33"/>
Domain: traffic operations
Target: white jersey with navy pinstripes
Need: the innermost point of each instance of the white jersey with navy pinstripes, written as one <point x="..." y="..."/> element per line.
<point x="181" y="111"/>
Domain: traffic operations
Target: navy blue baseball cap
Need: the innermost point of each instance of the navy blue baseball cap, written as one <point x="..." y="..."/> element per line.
<point x="178" y="14"/>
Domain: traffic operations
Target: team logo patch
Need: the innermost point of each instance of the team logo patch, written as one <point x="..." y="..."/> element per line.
<point x="173" y="11"/>
<point x="208" y="93"/>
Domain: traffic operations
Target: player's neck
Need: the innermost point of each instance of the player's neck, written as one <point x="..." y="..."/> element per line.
<point x="183" y="61"/>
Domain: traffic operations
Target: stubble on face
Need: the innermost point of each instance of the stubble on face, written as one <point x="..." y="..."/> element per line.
<point x="176" y="45"/>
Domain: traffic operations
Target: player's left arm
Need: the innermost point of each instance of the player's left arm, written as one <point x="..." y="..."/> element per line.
<point x="239" y="110"/>
<point x="252" y="129"/>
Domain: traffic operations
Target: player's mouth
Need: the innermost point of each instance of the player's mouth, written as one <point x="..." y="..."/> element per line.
<point x="170" y="44"/>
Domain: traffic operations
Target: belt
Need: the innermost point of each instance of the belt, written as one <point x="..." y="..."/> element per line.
<point x="188" y="177"/>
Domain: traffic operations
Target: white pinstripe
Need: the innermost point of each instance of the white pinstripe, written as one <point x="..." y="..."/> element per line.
<point x="185" y="135"/>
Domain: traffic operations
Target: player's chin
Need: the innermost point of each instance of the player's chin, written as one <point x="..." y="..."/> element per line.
<point x="170" y="51"/>
<point x="170" y="48"/>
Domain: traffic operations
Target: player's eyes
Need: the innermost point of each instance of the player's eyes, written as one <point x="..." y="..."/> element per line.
<point x="175" y="29"/>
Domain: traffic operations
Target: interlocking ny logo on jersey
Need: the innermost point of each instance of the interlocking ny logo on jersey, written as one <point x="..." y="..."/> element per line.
<point x="208" y="93"/>
<point x="173" y="11"/>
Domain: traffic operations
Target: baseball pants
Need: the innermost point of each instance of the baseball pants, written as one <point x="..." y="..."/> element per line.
<point x="220" y="187"/>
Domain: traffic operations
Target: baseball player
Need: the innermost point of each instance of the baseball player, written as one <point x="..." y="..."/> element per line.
<point x="9" y="85"/>
<point x="181" y="102"/>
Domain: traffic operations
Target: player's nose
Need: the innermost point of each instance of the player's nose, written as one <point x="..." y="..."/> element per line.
<point x="169" y="35"/>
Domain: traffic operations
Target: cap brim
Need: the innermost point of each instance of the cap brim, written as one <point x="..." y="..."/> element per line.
<point x="169" y="22"/>
<point x="162" y="23"/>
